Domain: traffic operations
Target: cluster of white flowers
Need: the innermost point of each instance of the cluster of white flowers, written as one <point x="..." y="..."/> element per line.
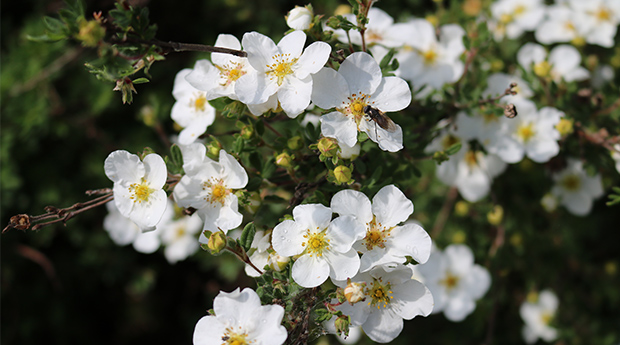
<point x="537" y="313"/>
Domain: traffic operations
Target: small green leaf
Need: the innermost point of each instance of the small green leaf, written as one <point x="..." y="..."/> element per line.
<point x="140" y="81"/>
<point x="453" y="149"/>
<point x="247" y="236"/>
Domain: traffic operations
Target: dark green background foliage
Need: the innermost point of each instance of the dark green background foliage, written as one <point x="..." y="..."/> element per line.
<point x="73" y="285"/>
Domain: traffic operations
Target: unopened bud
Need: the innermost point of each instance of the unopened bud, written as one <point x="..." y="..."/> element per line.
<point x="342" y="10"/>
<point x="294" y="143"/>
<point x="247" y="132"/>
<point x="354" y="292"/>
<point x="217" y="242"/>
<point x="472" y="7"/>
<point x="328" y="146"/>
<point x="459" y="237"/>
<point x="432" y="19"/>
<point x="91" y="33"/>
<point x="461" y="208"/>
<point x="564" y="127"/>
<point x="496" y="215"/>
<point x="147" y="114"/>
<point x="549" y="202"/>
<point x="300" y="18"/>
<point x="284" y="160"/>
<point x="278" y="262"/>
<point x="213" y="149"/>
<point x="542" y="69"/>
<point x="342" y="174"/>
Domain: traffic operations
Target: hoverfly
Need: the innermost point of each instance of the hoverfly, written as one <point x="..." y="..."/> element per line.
<point x="380" y="119"/>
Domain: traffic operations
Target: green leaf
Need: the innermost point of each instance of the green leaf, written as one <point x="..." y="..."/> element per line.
<point x="140" y="81"/>
<point x="453" y="149"/>
<point x="247" y="236"/>
<point x="254" y="184"/>
<point x="268" y="168"/>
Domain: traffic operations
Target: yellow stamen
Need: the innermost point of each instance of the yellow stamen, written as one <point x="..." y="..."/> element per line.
<point x="218" y="191"/>
<point x="526" y="132"/>
<point x="282" y="67"/>
<point x="571" y="182"/>
<point x="380" y="294"/>
<point x="450" y="281"/>
<point x="316" y="242"/>
<point x="140" y="192"/>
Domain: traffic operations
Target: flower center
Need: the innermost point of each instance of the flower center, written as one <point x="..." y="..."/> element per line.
<point x="546" y="318"/>
<point x="603" y="14"/>
<point x="430" y="57"/>
<point x="519" y="10"/>
<point x="199" y="103"/>
<point x="219" y="192"/>
<point x="380" y="294"/>
<point x="542" y="69"/>
<point x="140" y="191"/>
<point x="354" y="106"/>
<point x="232" y="338"/>
<point x="571" y="182"/>
<point x="180" y="231"/>
<point x="376" y="235"/>
<point x="450" y="281"/>
<point x="315" y="243"/>
<point x="506" y="18"/>
<point x="281" y="67"/>
<point x="568" y="25"/>
<point x="372" y="36"/>
<point x="231" y="74"/>
<point x="526" y="132"/>
<point x="471" y="158"/>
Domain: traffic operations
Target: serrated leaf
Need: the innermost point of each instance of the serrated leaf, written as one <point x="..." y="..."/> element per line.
<point x="247" y="236"/>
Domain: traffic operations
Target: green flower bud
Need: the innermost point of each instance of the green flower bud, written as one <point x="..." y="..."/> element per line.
<point x="91" y="32"/>
<point x="294" y="143"/>
<point x="277" y="262"/>
<point x="247" y="132"/>
<point x="342" y="174"/>
<point x="328" y="146"/>
<point x="217" y="242"/>
<point x="342" y="324"/>
<point x="284" y="160"/>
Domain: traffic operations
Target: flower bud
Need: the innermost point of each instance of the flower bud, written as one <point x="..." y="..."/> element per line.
<point x="565" y="127"/>
<point x="472" y="7"/>
<point x="91" y="32"/>
<point x="342" y="10"/>
<point x="496" y="215"/>
<point x="284" y="160"/>
<point x="342" y="174"/>
<point x="277" y="262"/>
<point x="459" y="237"/>
<point x="542" y="69"/>
<point x="213" y="149"/>
<point x="295" y="143"/>
<point x="549" y="202"/>
<point x="247" y="132"/>
<point x="328" y="146"/>
<point x="217" y="242"/>
<point x="354" y="292"/>
<point x="300" y="18"/>
<point x="461" y="208"/>
<point x="148" y="116"/>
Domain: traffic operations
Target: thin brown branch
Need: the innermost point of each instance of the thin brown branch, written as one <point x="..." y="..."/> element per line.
<point x="444" y="213"/>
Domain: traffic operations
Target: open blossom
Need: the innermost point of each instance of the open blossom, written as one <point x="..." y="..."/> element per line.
<point x="124" y="231"/>
<point x="380" y="30"/>
<point x="575" y="189"/>
<point x="470" y="171"/>
<point x="532" y="133"/>
<point x="600" y="17"/>
<point x="217" y="78"/>
<point x="191" y="109"/>
<point x="563" y="62"/>
<point x="385" y="242"/>
<point x="208" y="187"/>
<point x="429" y="60"/>
<point x="497" y="83"/>
<point x="180" y="237"/>
<point x="390" y="296"/>
<point x="325" y="247"/>
<point x="281" y="70"/>
<point x="455" y="281"/>
<point x="561" y="24"/>
<point x="358" y="84"/>
<point x="537" y="315"/>
<point x="512" y="17"/>
<point x="241" y="319"/>
<point x="138" y="192"/>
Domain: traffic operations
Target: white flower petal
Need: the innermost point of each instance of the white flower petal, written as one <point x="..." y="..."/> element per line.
<point x="147" y="214"/>
<point x="339" y="126"/>
<point x="209" y="330"/>
<point x="412" y="298"/>
<point x="392" y="94"/>
<point x="352" y="203"/>
<point x="260" y="49"/>
<point x="362" y="73"/>
<point x="383" y="326"/>
<point x="343" y="265"/>
<point x="122" y="166"/>
<point x="329" y="88"/>
<point x="293" y="44"/>
<point x="309" y="271"/>
<point x="233" y="174"/>
<point x="391" y="206"/>
<point x="294" y="95"/>
<point x="252" y="88"/>
<point x="287" y="238"/>
<point x="313" y="59"/>
<point x="311" y="216"/>
<point x="155" y="171"/>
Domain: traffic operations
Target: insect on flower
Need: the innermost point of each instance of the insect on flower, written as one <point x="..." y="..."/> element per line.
<point x="380" y="119"/>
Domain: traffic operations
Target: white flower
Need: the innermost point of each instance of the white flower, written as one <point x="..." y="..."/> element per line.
<point x="561" y="64"/>
<point x="537" y="316"/>
<point x="513" y="17"/>
<point x="191" y="109"/>
<point x="455" y="281"/>
<point x="601" y="17"/>
<point x="138" y="192"/>
<point x="357" y="84"/>
<point x="123" y="230"/>
<point x="218" y="78"/>
<point x="391" y="296"/>
<point x="531" y="133"/>
<point x="281" y="70"/>
<point x="602" y="75"/>
<point x="385" y="243"/>
<point x="179" y="237"/>
<point x="428" y="61"/>
<point x="241" y="319"/>
<point x="575" y="189"/>
<point x="470" y="171"/>
<point x="497" y="83"/>
<point x="562" y="24"/>
<point x="208" y="187"/>
<point x="324" y="247"/>
<point x="299" y="18"/>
